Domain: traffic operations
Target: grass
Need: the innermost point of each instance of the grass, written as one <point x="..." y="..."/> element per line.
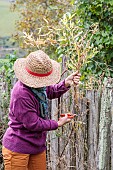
<point x="7" y="19"/>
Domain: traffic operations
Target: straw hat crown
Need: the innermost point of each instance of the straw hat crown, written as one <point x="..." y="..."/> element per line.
<point x="38" y="62"/>
<point x="37" y="70"/>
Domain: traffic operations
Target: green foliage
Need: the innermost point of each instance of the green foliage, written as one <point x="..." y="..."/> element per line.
<point x="77" y="34"/>
<point x="76" y="44"/>
<point x="101" y="12"/>
<point x="7" y="78"/>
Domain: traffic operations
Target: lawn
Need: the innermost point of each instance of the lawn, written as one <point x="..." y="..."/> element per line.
<point x="7" y="19"/>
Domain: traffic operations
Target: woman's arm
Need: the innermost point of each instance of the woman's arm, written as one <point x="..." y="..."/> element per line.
<point x="26" y="114"/>
<point x="55" y="91"/>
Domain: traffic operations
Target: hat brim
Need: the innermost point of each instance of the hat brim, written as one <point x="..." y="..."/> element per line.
<point x="35" y="81"/>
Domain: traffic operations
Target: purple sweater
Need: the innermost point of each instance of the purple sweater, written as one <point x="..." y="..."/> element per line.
<point x="27" y="130"/>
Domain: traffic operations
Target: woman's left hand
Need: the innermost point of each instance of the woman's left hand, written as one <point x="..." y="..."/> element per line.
<point x="73" y="78"/>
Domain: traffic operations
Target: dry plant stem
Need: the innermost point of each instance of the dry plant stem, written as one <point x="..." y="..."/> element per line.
<point x="76" y="98"/>
<point x="66" y="144"/>
<point x="72" y="129"/>
<point x="82" y="51"/>
<point x="64" y="72"/>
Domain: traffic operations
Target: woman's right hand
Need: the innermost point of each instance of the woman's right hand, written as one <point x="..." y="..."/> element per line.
<point x="65" y="119"/>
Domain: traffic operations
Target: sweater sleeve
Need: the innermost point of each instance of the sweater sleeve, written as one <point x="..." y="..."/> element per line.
<point x="25" y="112"/>
<point x="55" y="91"/>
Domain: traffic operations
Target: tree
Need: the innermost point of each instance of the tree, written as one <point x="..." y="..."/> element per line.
<point x="37" y="17"/>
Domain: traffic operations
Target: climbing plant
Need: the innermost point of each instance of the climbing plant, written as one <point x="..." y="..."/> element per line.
<point x="101" y="12"/>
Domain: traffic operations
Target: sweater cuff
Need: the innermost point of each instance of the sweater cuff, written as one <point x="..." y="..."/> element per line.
<point x="54" y="125"/>
<point x="67" y="88"/>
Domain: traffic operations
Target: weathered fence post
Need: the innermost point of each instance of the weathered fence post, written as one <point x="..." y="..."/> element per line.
<point x="104" y="128"/>
<point x="112" y="136"/>
<point x="93" y="97"/>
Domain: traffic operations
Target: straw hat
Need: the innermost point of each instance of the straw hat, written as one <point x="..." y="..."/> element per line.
<point x="37" y="70"/>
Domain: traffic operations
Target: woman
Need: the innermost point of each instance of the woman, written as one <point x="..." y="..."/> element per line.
<point x="24" y="143"/>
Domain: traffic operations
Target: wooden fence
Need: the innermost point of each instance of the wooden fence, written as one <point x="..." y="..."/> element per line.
<point x="87" y="142"/>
